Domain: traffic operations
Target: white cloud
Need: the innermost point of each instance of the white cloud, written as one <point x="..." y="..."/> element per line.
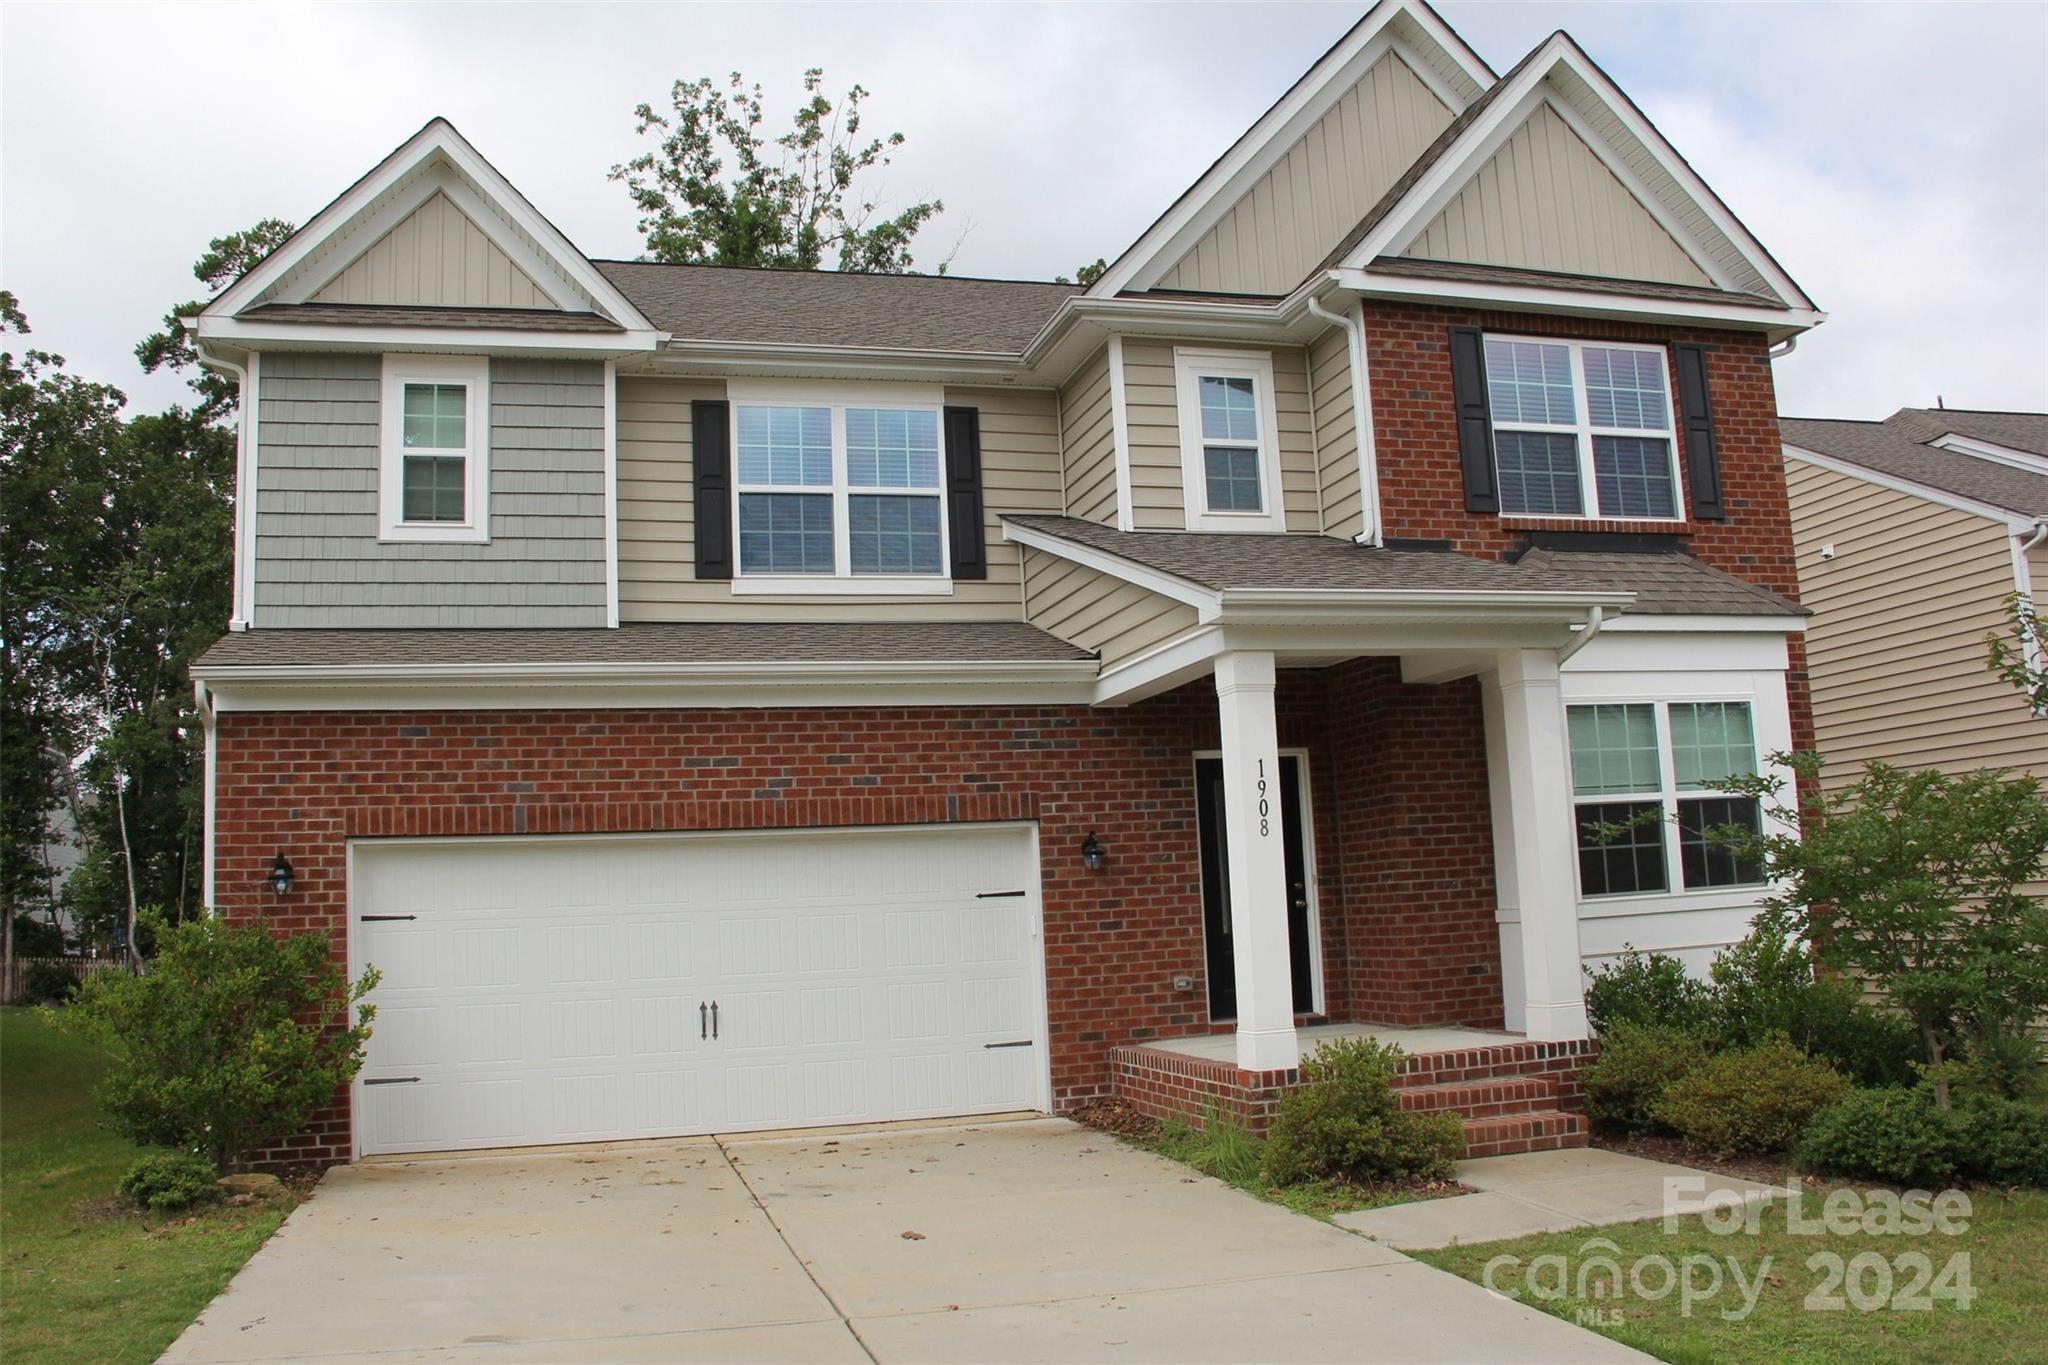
<point x="1894" y="157"/>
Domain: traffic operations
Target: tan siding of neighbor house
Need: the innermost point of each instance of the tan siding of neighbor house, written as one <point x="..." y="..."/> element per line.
<point x="1153" y="403"/>
<point x="1096" y="610"/>
<point x="1545" y="201"/>
<point x="657" y="521"/>
<point x="1088" y="442"/>
<point x="436" y="256"/>
<point x="1896" y="646"/>
<point x="1286" y="223"/>
<point x="1335" y="425"/>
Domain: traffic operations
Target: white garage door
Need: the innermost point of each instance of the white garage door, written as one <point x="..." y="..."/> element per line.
<point x="577" y="990"/>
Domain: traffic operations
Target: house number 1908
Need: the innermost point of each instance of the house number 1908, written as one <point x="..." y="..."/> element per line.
<point x="1265" y="805"/>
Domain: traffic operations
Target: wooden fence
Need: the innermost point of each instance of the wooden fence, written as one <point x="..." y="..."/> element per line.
<point x="14" y="987"/>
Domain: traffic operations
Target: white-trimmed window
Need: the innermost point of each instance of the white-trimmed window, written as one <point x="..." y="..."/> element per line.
<point x="839" y="490"/>
<point x="1582" y="429"/>
<point x="433" y="476"/>
<point x="1641" y="769"/>
<point x="1229" y="440"/>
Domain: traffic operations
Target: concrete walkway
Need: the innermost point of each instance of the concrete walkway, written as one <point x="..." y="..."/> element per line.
<point x="1548" y="1192"/>
<point x="1036" y="1240"/>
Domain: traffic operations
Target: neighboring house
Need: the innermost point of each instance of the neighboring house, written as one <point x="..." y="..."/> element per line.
<point x="1913" y="533"/>
<point x="718" y="699"/>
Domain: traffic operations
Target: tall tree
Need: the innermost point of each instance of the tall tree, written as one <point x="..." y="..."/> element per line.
<point x="719" y="192"/>
<point x="226" y="259"/>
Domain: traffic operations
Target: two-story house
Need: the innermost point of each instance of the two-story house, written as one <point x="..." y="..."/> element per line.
<point x="953" y="696"/>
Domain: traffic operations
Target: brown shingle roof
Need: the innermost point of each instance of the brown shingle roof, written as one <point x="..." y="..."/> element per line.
<point x="399" y="315"/>
<point x="831" y="308"/>
<point x="1664" y="583"/>
<point x="736" y="642"/>
<point x="1882" y="448"/>
<point x="2020" y="430"/>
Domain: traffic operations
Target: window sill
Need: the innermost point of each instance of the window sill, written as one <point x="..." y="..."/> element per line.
<point x="421" y="533"/>
<point x="1657" y="902"/>
<point x="762" y="585"/>
<point x="1543" y="519"/>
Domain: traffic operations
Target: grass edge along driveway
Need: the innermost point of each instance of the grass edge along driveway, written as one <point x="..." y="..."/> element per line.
<point x="1877" y="1318"/>
<point x="94" y="1287"/>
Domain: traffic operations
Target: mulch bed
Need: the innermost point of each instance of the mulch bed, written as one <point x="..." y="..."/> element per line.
<point x="1765" y="1170"/>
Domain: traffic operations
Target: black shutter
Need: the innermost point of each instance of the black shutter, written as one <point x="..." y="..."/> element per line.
<point x="1475" y="423"/>
<point x="711" y="457"/>
<point x="963" y="492"/>
<point x="1696" y="417"/>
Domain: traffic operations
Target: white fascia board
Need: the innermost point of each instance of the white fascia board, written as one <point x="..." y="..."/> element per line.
<point x="1182" y="659"/>
<point x="1651" y="623"/>
<point x="1991" y="450"/>
<point x="2011" y="520"/>
<point x="279" y="336"/>
<point x="1400" y="605"/>
<point x="1138" y="575"/>
<point x="1427" y="197"/>
<point x="1280" y="127"/>
<point x="438" y="139"/>
<point x="1580" y="302"/>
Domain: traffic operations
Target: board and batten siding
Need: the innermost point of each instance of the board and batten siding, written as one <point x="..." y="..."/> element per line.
<point x="1287" y="223"/>
<point x="436" y="257"/>
<point x="1545" y="201"/>
<point x="1098" y="611"/>
<point x="1895" y="649"/>
<point x="1088" y="442"/>
<point x="318" y="560"/>
<point x="1335" y="423"/>
<point x="1020" y="464"/>
<point x="1152" y="402"/>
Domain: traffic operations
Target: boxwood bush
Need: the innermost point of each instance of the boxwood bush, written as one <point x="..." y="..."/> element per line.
<point x="1637" y="1064"/>
<point x="1346" y="1122"/>
<point x="1888" y="1134"/>
<point x="1750" y="1101"/>
<point x="167" y="1181"/>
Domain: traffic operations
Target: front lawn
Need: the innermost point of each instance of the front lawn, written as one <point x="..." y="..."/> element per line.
<point x="82" y="1279"/>
<point x="2005" y="1250"/>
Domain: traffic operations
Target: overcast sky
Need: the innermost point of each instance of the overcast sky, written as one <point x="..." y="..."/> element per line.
<point x="1893" y="157"/>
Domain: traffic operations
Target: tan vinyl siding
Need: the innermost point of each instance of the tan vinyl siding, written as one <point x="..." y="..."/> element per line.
<point x="1153" y="403"/>
<point x="1096" y="610"/>
<point x="657" y="545"/>
<point x="436" y="256"/>
<point x="1286" y="223"/>
<point x="1545" y="201"/>
<point x="1896" y="646"/>
<point x="1088" y="438"/>
<point x="1335" y="424"/>
<point x="318" y="560"/>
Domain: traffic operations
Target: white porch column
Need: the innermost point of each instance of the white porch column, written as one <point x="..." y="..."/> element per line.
<point x="1537" y="845"/>
<point x="1258" y="863"/>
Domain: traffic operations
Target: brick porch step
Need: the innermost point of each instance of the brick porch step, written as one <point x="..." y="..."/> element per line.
<point x="1488" y="1098"/>
<point x="1544" y="1130"/>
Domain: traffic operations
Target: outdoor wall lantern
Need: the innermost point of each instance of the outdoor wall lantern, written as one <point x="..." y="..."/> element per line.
<point x="1092" y="856"/>
<point x="281" y="875"/>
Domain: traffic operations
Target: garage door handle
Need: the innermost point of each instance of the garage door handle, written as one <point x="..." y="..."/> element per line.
<point x="702" y="1030"/>
<point x="996" y="895"/>
<point x="367" y="919"/>
<point x="391" y="1080"/>
<point x="714" y="1021"/>
<point x="1024" y="1042"/>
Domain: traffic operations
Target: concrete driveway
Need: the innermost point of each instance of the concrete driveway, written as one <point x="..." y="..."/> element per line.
<point x="1029" y="1240"/>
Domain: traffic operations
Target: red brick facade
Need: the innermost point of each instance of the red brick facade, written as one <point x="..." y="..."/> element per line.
<point x="1398" y="793"/>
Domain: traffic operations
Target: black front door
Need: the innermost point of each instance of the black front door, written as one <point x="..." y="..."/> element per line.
<point x="1209" y="808"/>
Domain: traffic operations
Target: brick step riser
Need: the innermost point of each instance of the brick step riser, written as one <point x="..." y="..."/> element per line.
<point x="1509" y="1135"/>
<point x="1518" y="1095"/>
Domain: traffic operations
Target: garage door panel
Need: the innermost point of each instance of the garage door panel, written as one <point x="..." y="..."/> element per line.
<point x="550" y="990"/>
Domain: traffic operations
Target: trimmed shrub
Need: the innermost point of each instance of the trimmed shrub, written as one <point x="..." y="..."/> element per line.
<point x="46" y="983"/>
<point x="1890" y="1134"/>
<point x="1647" y="989"/>
<point x="1637" y="1064"/>
<point x="1750" y="1101"/>
<point x="168" y="1181"/>
<point x="2004" y="1141"/>
<point x="1766" y="985"/>
<point x="1345" y="1121"/>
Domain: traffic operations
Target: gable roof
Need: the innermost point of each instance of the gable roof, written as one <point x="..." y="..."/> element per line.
<point x="1456" y="74"/>
<point x="1560" y="74"/>
<point x="2026" y="431"/>
<point x="1888" y="449"/>
<point x="831" y="308"/>
<point x="435" y="161"/>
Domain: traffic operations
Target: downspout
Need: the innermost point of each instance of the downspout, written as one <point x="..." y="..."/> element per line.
<point x="245" y="377"/>
<point x="1584" y="637"/>
<point x="1361" y="422"/>
<point x="1784" y="348"/>
<point x="208" y="722"/>
<point x="2023" y="584"/>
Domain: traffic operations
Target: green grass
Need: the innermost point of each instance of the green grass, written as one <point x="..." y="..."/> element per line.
<point x="117" y="1288"/>
<point x="2006" y="1245"/>
<point x="1227" y="1151"/>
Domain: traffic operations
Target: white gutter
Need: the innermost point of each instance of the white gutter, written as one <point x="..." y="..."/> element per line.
<point x="842" y="672"/>
<point x="1584" y="637"/>
<point x="1361" y="421"/>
